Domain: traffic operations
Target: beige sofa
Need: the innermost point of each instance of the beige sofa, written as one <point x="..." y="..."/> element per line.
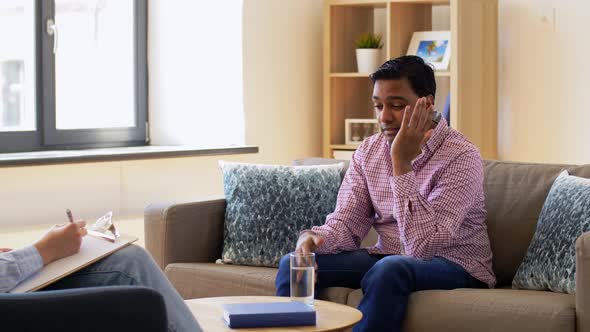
<point x="186" y="239"/>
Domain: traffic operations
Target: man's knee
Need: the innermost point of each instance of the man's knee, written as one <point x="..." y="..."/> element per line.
<point x="285" y="264"/>
<point x="392" y="271"/>
<point x="283" y="276"/>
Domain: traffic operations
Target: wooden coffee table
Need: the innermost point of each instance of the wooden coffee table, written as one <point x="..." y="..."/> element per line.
<point x="329" y="316"/>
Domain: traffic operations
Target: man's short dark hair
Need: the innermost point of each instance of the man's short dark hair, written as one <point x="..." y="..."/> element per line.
<point x="419" y="74"/>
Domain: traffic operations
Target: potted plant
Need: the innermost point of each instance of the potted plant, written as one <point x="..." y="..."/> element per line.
<point x="368" y="47"/>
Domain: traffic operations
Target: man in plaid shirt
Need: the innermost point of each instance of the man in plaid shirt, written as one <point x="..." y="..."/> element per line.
<point x="419" y="183"/>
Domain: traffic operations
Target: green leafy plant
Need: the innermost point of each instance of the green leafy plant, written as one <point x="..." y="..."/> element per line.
<point x="368" y="40"/>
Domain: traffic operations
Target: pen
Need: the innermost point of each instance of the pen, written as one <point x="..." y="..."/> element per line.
<point x="69" y="214"/>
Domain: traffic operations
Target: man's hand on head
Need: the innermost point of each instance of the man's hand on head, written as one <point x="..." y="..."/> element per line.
<point x="416" y="129"/>
<point x="61" y="241"/>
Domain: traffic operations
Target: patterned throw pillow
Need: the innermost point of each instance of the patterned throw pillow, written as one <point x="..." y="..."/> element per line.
<point x="268" y="205"/>
<point x="550" y="262"/>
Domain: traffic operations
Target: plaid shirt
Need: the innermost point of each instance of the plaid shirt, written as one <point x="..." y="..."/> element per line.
<point x="436" y="210"/>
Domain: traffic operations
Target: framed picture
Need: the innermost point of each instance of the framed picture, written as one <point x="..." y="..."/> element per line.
<point x="356" y="130"/>
<point x="432" y="46"/>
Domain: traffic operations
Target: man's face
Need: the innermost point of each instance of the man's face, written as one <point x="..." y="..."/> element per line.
<point x="390" y="97"/>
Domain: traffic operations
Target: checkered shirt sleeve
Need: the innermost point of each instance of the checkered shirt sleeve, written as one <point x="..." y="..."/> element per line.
<point x="354" y="215"/>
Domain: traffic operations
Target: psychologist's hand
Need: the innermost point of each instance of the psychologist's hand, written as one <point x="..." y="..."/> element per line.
<point x="61" y="241"/>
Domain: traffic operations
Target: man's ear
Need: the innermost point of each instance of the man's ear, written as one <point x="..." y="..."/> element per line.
<point x="430" y="99"/>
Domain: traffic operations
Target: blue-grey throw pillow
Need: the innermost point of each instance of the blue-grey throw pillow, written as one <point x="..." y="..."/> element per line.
<point x="268" y="205"/>
<point x="550" y="262"/>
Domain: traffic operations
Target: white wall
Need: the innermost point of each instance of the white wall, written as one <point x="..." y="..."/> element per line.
<point x="543" y="73"/>
<point x="282" y="104"/>
<point x="283" y="77"/>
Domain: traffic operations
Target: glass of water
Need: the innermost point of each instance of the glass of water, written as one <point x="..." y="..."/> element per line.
<point x="302" y="277"/>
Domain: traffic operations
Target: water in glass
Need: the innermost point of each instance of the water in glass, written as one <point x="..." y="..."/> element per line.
<point x="302" y="277"/>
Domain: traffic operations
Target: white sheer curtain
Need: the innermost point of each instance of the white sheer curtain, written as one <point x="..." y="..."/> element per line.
<point x="195" y="66"/>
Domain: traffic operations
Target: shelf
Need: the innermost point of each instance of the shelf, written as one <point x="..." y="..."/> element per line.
<point x="366" y="75"/>
<point x="359" y="3"/>
<point x="350" y="75"/>
<point x="424" y="2"/>
<point x="436" y="73"/>
<point x="344" y="146"/>
<point x="383" y="3"/>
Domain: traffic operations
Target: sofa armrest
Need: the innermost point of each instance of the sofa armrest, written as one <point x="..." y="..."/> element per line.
<point x="583" y="282"/>
<point x="185" y="232"/>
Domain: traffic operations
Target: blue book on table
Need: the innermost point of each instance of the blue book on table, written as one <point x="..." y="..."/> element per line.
<point x="238" y="315"/>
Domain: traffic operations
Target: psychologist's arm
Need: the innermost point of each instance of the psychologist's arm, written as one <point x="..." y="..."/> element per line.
<point x="60" y="241"/>
<point x="17" y="265"/>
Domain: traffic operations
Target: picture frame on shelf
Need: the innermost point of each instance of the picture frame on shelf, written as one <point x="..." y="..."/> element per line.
<point x="356" y="130"/>
<point x="432" y="46"/>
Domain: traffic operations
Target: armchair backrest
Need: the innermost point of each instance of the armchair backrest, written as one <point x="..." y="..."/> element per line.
<point x="85" y="309"/>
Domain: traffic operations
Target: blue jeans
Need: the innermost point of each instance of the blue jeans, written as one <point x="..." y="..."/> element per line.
<point x="387" y="282"/>
<point x="132" y="265"/>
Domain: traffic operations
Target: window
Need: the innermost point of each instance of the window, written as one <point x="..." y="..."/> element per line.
<point x="73" y="74"/>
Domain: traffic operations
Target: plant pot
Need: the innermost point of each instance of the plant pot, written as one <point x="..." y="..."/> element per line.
<point x="367" y="59"/>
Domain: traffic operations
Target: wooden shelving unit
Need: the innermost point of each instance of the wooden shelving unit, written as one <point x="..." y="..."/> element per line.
<point x="344" y="146"/>
<point x="349" y="75"/>
<point x="471" y="80"/>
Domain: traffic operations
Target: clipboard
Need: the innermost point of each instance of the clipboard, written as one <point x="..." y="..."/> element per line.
<point x="91" y="250"/>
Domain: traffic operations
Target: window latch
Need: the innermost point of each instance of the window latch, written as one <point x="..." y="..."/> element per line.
<point x="51" y="29"/>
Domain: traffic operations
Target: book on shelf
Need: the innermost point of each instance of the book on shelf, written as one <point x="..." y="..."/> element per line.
<point x="270" y="314"/>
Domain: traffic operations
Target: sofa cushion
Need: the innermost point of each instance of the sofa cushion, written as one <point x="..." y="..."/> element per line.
<point x="550" y="262"/>
<point x="322" y="161"/>
<point x="486" y="310"/>
<point x="268" y="205"/>
<point x="196" y="280"/>
<point x="335" y="294"/>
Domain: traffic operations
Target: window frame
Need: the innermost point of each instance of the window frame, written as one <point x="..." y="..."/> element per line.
<point x="47" y="136"/>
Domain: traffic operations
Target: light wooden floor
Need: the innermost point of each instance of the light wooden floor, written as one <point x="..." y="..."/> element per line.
<point x="16" y="237"/>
